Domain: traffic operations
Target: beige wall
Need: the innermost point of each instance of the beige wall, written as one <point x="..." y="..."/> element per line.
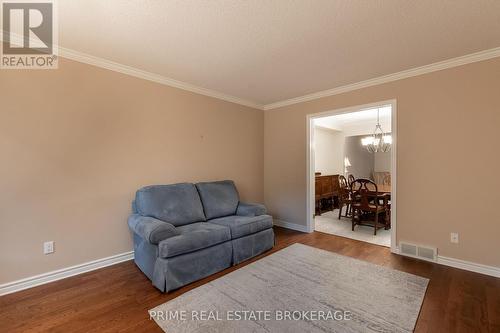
<point x="76" y="143"/>
<point x="448" y="160"/>
<point x="328" y="151"/>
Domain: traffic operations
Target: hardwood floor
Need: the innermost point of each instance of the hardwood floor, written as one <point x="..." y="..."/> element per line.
<point x="116" y="298"/>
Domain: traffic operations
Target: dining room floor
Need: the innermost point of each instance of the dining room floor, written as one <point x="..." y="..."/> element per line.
<point x="329" y="223"/>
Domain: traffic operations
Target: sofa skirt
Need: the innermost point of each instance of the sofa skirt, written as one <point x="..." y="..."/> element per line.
<point x="175" y="272"/>
<point x="145" y="255"/>
<point x="252" y="245"/>
<point x="172" y="273"/>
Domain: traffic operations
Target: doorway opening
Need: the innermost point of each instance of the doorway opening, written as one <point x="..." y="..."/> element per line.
<point x="355" y="145"/>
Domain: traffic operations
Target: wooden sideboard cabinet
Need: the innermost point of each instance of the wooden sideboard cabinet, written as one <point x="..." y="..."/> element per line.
<point x="326" y="193"/>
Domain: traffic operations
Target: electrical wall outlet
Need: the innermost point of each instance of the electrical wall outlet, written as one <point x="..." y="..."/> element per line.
<point x="48" y="247"/>
<point x="454" y="237"/>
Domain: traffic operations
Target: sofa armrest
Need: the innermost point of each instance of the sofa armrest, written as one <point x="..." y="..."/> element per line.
<point x="250" y="209"/>
<point x="151" y="229"/>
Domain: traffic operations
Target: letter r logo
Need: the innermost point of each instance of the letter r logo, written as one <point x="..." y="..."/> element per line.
<point x="30" y="22"/>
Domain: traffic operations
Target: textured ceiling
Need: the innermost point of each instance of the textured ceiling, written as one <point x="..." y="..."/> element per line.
<point x="267" y="51"/>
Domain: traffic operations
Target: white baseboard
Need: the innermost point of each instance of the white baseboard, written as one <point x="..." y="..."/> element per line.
<point x="59" y="274"/>
<point x="293" y="226"/>
<point x="469" y="266"/>
<point x="394" y="249"/>
<point x="33" y="281"/>
<point x="462" y="264"/>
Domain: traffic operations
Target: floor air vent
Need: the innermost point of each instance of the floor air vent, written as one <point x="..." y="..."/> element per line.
<point x="418" y="251"/>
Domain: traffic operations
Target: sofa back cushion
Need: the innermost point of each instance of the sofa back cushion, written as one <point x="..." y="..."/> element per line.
<point x="219" y="198"/>
<point x="177" y="204"/>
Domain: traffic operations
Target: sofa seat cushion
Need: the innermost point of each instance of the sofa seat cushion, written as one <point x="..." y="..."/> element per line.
<point x="177" y="204"/>
<point x="193" y="237"/>
<point x="219" y="198"/>
<point x="244" y="225"/>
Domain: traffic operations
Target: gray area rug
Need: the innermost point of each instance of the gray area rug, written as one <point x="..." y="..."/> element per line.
<point x="299" y="289"/>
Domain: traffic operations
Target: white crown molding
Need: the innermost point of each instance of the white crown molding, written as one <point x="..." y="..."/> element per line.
<point x="63" y="273"/>
<point x="132" y="71"/>
<point x="454" y="62"/>
<point x="139" y="73"/>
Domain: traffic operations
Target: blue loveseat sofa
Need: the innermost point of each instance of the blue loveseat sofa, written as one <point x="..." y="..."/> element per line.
<point x="185" y="232"/>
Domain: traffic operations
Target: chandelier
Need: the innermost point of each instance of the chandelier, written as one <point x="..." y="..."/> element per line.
<point x="378" y="141"/>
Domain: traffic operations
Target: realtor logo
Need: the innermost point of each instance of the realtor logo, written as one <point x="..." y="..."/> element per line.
<point x="29" y="35"/>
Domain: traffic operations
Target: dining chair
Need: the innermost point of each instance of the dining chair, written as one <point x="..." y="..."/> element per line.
<point x="369" y="206"/>
<point x="350" y="180"/>
<point x="344" y="197"/>
<point x="382" y="178"/>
